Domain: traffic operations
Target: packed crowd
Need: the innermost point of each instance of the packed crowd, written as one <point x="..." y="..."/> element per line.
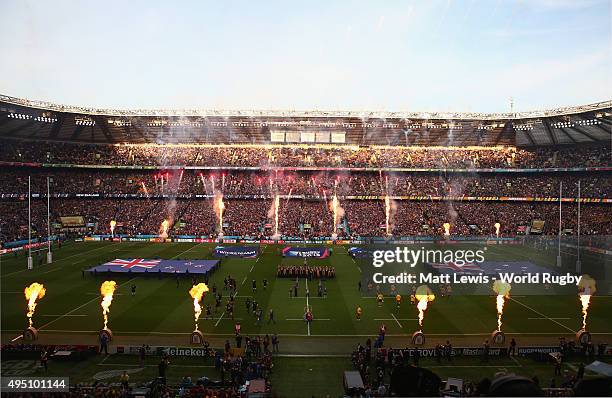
<point x="190" y="183"/>
<point x="296" y="156"/>
<point x="301" y="218"/>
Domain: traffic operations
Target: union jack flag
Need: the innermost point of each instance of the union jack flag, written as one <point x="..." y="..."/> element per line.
<point x="134" y="262"/>
<point x="458" y="268"/>
<point x="141" y="265"/>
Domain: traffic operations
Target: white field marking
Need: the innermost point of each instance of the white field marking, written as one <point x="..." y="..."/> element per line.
<point x="251" y="270"/>
<point x="17" y="338"/>
<point x="212" y="319"/>
<point x="302" y="319"/>
<point x="397" y="321"/>
<point x="219" y="320"/>
<point x="60" y="267"/>
<point x="78" y="308"/>
<point x="235" y="293"/>
<point x="312" y="298"/>
<point x="143" y="333"/>
<point x="539" y="313"/>
<point x="394" y="318"/>
<point x="104" y="360"/>
<point x="515" y="361"/>
<point x="197" y="244"/>
<point x="551" y="318"/>
<point x="98" y="294"/>
<point x="358" y="267"/>
<point x="64" y="315"/>
<point x="55" y="269"/>
<point x="68" y="243"/>
<point x="61" y="259"/>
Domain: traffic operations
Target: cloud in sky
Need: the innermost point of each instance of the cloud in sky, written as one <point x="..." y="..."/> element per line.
<point x="435" y="55"/>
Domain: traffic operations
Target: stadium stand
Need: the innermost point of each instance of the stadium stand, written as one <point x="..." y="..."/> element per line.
<point x="138" y="169"/>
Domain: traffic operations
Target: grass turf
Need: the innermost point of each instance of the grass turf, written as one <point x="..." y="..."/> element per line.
<point x="72" y="302"/>
<point x="162" y="312"/>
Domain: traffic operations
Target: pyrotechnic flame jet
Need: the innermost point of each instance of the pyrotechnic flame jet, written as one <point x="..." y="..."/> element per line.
<point x="113" y="223"/>
<point x="447" y="228"/>
<point x="387" y="206"/>
<point x="503" y="292"/>
<point x="197" y="292"/>
<point x="164" y="228"/>
<point x="107" y="290"/>
<point x="497" y="228"/>
<point x="423" y="295"/>
<point x="219" y="207"/>
<point x="586" y="288"/>
<point x="32" y="293"/>
<point x="387" y="213"/>
<point x="276" y="206"/>
<point x="144" y="188"/>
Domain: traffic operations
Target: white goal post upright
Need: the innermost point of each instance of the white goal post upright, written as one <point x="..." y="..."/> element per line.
<point x="30" y="263"/>
<point x="578" y="262"/>
<point x="49" y="254"/>
<point x="559" y="245"/>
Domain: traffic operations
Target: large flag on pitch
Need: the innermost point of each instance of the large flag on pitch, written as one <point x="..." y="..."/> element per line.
<point x="164" y="266"/>
<point x="454" y="268"/>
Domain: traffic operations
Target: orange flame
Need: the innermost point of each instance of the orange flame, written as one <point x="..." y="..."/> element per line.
<point x="197" y="292"/>
<point x="586" y="288"/>
<point x="113" y="223"/>
<point x="338" y="213"/>
<point x="497" y="228"/>
<point x="424" y="295"/>
<point x="447" y="228"/>
<point x="276" y="206"/>
<point x="163" y="228"/>
<point x="503" y="292"/>
<point x="33" y="292"/>
<point x="219" y="208"/>
<point x="387" y="213"/>
<point x="144" y="188"/>
<point x="106" y="290"/>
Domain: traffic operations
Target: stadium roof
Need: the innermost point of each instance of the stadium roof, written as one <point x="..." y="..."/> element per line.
<point x="43" y="105"/>
<point x="31" y="119"/>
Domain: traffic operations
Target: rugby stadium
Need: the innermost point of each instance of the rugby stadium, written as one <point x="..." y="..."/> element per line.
<point x="304" y="253"/>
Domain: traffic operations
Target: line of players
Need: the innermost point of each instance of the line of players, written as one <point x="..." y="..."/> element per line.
<point x="252" y="306"/>
<point x="298" y="271"/>
<point x="445" y="290"/>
